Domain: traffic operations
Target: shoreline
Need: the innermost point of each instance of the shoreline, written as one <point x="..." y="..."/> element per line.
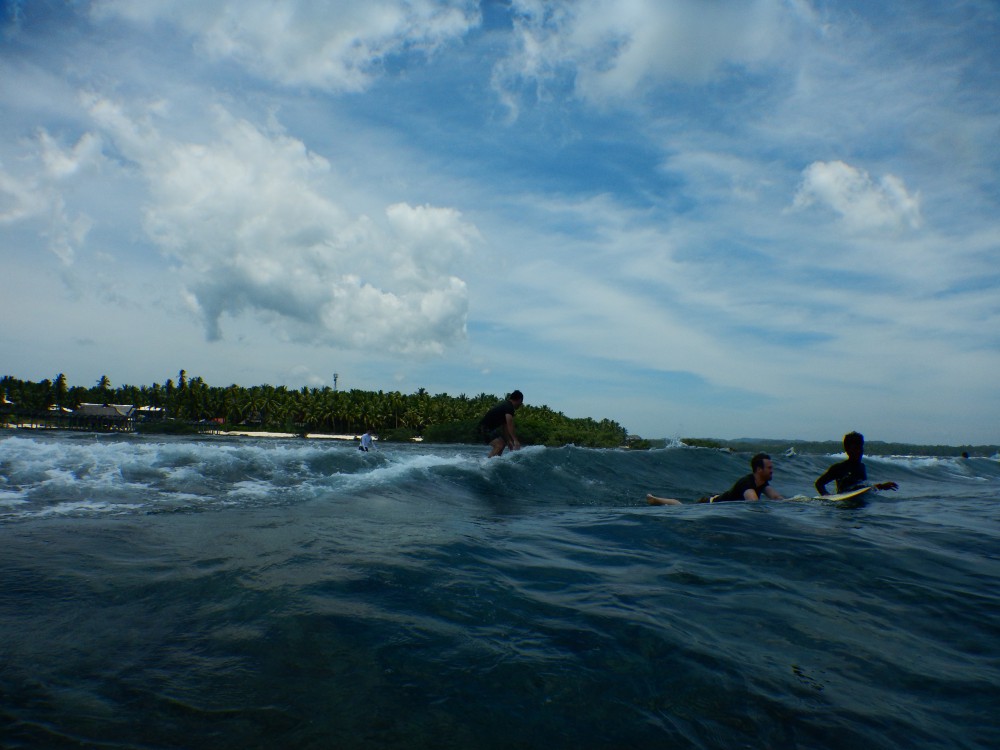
<point x="224" y="433"/>
<point x="805" y="448"/>
<point x="221" y="433"/>
<point x="308" y="435"/>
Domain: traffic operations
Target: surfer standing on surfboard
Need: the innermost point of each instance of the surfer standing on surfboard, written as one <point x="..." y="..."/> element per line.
<point x="750" y="487"/>
<point x="850" y="474"/>
<point x="497" y="426"/>
<point x="366" y="441"/>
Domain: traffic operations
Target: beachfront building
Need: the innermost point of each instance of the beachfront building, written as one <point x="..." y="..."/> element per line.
<point x="97" y="417"/>
<point x="151" y="413"/>
<point x="105" y="417"/>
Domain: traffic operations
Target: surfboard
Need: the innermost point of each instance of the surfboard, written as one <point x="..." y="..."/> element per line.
<point x="654" y="500"/>
<point x="840" y="496"/>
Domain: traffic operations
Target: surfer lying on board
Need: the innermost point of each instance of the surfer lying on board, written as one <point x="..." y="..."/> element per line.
<point x="750" y="487"/>
<point x="850" y="474"/>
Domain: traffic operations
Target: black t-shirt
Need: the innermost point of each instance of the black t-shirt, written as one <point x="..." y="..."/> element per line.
<point x="497" y="416"/>
<point x="736" y="491"/>
<point x="847" y="474"/>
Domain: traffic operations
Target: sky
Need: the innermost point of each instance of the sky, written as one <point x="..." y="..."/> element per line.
<point x="698" y="218"/>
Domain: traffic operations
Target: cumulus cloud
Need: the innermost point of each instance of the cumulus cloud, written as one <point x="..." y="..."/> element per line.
<point x="246" y="218"/>
<point x="336" y="45"/>
<point x="862" y="203"/>
<point x="611" y="49"/>
<point x="38" y="194"/>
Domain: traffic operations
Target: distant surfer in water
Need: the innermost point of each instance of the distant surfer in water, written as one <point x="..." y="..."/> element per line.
<point x="750" y="487"/>
<point x="850" y="474"/>
<point x="366" y="442"/>
<point x="497" y="426"/>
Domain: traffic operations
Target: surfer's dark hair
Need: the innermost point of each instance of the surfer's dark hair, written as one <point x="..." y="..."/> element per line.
<point x="516" y="396"/>
<point x="854" y="438"/>
<point x="757" y="462"/>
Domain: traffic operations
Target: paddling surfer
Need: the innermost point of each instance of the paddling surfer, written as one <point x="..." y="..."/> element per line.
<point x="750" y="488"/>
<point x="850" y="474"/>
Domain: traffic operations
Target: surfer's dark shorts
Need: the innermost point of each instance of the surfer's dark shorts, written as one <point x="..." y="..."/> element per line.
<point x="486" y="435"/>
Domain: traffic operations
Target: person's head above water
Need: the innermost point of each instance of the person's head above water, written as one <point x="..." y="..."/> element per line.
<point x="854" y="445"/>
<point x="762" y="467"/>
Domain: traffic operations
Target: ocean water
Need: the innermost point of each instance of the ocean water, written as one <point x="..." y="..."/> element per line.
<point x="267" y="593"/>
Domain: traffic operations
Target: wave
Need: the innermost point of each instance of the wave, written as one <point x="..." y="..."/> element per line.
<point x="294" y="593"/>
<point x="57" y="474"/>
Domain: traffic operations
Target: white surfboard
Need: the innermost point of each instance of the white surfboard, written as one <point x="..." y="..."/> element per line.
<point x="844" y="495"/>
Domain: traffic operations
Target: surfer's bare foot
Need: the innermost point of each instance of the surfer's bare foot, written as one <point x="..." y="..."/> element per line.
<point x="654" y="500"/>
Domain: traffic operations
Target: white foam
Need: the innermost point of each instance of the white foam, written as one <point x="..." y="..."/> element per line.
<point x="86" y="507"/>
<point x="13" y="497"/>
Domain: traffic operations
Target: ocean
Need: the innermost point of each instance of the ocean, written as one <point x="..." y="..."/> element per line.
<point x="223" y="592"/>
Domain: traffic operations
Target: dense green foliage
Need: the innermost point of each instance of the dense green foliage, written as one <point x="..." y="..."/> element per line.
<point x="392" y="415"/>
<point x="191" y="405"/>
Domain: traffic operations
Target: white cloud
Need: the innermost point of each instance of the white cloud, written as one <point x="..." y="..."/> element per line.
<point x="863" y="204"/>
<point x="329" y="44"/>
<point x="614" y="49"/>
<point x="19" y="199"/>
<point x="641" y="227"/>
<point x="64" y="163"/>
<point x="245" y="216"/>
<point x="37" y="196"/>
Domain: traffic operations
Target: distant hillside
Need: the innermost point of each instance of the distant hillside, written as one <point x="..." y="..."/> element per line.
<point x="824" y="447"/>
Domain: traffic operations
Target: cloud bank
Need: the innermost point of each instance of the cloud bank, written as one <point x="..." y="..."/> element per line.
<point x="336" y="45"/>
<point x="245" y="217"/>
<point x="610" y="51"/>
<point x="697" y="217"/>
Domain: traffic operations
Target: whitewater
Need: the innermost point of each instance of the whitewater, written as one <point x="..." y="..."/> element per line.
<point x="233" y="592"/>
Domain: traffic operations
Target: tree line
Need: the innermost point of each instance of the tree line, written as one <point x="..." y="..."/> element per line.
<point x="189" y="402"/>
<point x="828" y="447"/>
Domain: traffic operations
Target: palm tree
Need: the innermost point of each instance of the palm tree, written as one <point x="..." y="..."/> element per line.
<point x="62" y="392"/>
<point x="250" y="406"/>
<point x="231" y="404"/>
<point x="272" y="404"/>
<point x="104" y="389"/>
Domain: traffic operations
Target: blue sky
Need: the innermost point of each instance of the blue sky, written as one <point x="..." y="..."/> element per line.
<point x="769" y="218"/>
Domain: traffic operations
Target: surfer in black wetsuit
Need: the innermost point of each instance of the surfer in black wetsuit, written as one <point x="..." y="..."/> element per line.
<point x="850" y="474"/>
<point x="750" y="487"/>
<point x="497" y="426"/>
<point x="753" y="485"/>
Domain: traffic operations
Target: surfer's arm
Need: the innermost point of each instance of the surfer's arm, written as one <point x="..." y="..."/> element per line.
<point x="751" y="496"/>
<point x="772" y="493"/>
<point x="652" y="499"/>
<point x="823" y="481"/>
<point x="512" y="440"/>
